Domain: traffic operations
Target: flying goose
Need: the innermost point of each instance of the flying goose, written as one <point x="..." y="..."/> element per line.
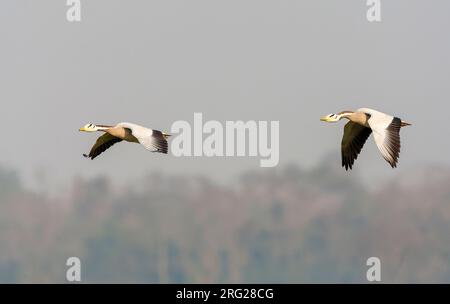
<point x="153" y="140"/>
<point x="385" y="128"/>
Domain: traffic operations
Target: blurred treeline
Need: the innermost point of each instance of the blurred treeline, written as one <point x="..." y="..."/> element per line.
<point x="286" y="225"/>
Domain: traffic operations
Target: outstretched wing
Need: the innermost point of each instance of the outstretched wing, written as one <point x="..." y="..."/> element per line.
<point x="355" y="136"/>
<point x="156" y="142"/>
<point x="103" y="143"/>
<point x="152" y="140"/>
<point x="386" y="132"/>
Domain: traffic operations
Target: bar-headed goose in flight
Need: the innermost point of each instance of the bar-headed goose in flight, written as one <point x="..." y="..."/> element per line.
<point x="385" y="128"/>
<point x="153" y="140"/>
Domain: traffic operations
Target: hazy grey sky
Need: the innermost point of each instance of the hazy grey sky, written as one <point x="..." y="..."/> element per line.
<point x="154" y="62"/>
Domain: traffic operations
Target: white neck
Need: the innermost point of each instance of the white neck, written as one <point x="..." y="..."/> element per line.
<point x="345" y="115"/>
<point x="97" y="128"/>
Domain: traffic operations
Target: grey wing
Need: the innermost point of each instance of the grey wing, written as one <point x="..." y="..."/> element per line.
<point x="388" y="140"/>
<point x="155" y="142"/>
<point x="355" y="136"/>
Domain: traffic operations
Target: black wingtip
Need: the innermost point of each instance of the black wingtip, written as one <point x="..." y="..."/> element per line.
<point x="162" y="146"/>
